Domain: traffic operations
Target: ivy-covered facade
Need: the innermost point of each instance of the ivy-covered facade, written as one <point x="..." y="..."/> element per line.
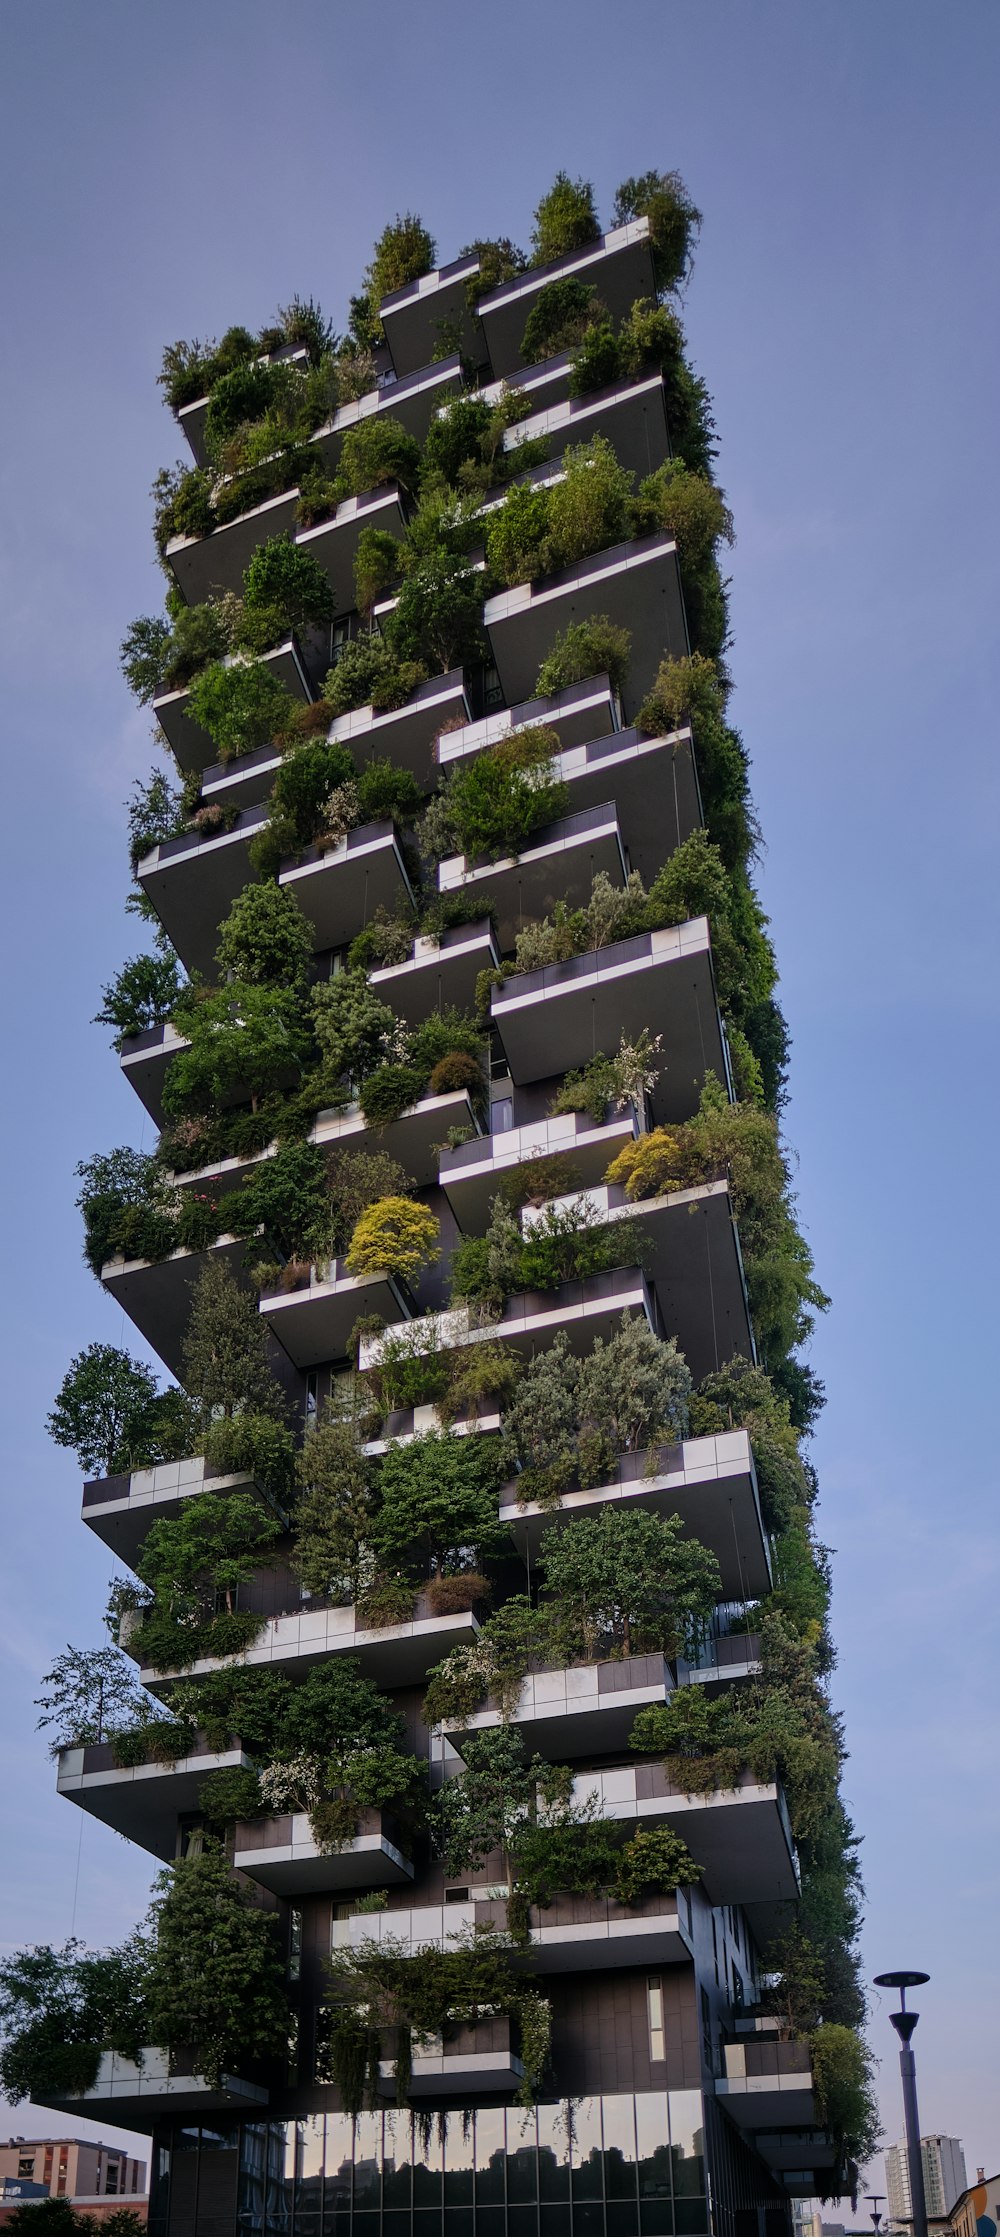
<point x="469" y="1648"/>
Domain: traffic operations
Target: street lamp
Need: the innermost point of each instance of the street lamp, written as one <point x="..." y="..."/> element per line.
<point x="904" y="2023"/>
<point x="877" y="2199"/>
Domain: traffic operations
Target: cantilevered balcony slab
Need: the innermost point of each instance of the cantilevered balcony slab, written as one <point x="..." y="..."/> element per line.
<point x="472" y="1174"/>
<point x="740" y="1835"/>
<point x="588" y="1709"/>
<point x="191" y="417"/>
<point x="280" y="1853"/>
<point x="143" y="1801"/>
<point x="589" y="1934"/>
<point x="652" y="782"/>
<point x="585" y="1310"/>
<point x="469" y="2062"/>
<point x="583" y="711"/>
<point x="340" y="888"/>
<point x="440" y="974"/>
<point x="313" y="1318"/>
<point x="560" y="864"/>
<point x="619" y="266"/>
<point x="637" y="585"/>
<point x="418" y="317"/>
<point x="768" y="2085"/>
<point x="145" y="1061"/>
<point x="556" y="1018"/>
<point x="121" y="1510"/>
<point x="544" y="384"/>
<point x="191" y="746"/>
<point x="709" y="1482"/>
<point x="394" y="1655"/>
<point x="414" y="400"/>
<point x="692" y="1257"/>
<point x="192" y="883"/>
<point x="805" y="2160"/>
<point x="204" y="566"/>
<point x="405" y="735"/>
<point x="138" y="2094"/>
<point x="631" y="415"/>
<point x="156" y="1292"/>
<point x="414" y="1138"/>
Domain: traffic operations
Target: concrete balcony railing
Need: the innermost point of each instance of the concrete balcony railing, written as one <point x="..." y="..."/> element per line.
<point x="404" y="735"/>
<point x="652" y="782"/>
<point x="741" y="1836"/>
<point x="312" y="1312"/>
<point x="417" y="317"/>
<point x="145" y="1060"/>
<point x="691" y="1255"/>
<point x="191" y="417"/>
<point x="587" y="1709"/>
<point x="143" y="1801"/>
<point x="572" y="1934"/>
<point x="553" y="1019"/>
<point x="560" y="864"/>
<point x="472" y="1174"/>
<point x="710" y="1482"/>
<point x="584" y="1309"/>
<point x="137" y="2093"/>
<point x="632" y="416"/>
<point x="413" y="1138"/>
<point x="636" y="584"/>
<point x="121" y="1510"/>
<point x="207" y="566"/>
<point x="280" y="1853"/>
<point x="581" y="712"/>
<point x="461" y="2062"/>
<point x="619" y="265"/>
<point x="190" y="744"/>
<point x="397" y="1654"/>
<point x="340" y="887"/>
<point x="440" y="974"/>
<point x="768" y="2085"/>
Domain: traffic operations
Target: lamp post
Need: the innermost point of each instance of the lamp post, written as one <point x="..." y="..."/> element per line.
<point x="904" y="2023"/>
<point x="877" y="2200"/>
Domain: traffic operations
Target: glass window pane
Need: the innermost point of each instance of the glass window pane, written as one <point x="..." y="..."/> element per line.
<point x="427" y="2160"/>
<point x="691" y="2217"/>
<point x="656" y="2217"/>
<point x="586" y="2148"/>
<point x="397" y="2177"/>
<point x="653" y="2131"/>
<point x="522" y="2221"/>
<point x="458" y="2162"/>
<point x="622" y="2219"/>
<point x="458" y="2221"/>
<point x="367" y="2161"/>
<point x="619" y="2147"/>
<point x="588" y="2219"/>
<point x="522" y="2156"/>
<point x="490" y="2157"/>
<point x="553" y="2152"/>
<point x="553" y="2221"/>
<point x="687" y="2141"/>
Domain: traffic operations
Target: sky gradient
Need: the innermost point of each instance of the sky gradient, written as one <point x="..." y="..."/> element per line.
<point x="167" y="171"/>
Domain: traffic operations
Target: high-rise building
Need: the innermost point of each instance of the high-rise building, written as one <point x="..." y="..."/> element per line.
<point x="944" y="2178"/>
<point x="472" y="1586"/>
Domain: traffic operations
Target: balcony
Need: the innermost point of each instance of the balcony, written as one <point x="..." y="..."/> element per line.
<point x="189" y="743"/>
<point x="156" y="1292"/>
<point x="727" y="1659"/>
<point x="544" y="384"/>
<point x="440" y="974"/>
<point x="554" y="1019"/>
<point x="142" y="1801"/>
<point x="768" y="2084"/>
<point x="280" y="1853"/>
<point x="414" y="399"/>
<point x="461" y="2062"/>
<point x="414" y="1421"/>
<point x="313" y="1317"/>
<point x="694" y="1263"/>
<point x="191" y="417"/>
<point x="636" y="584"/>
<point x="632" y="417"/>
<point x="619" y="265"/>
<point x="472" y="1174"/>
<point x="588" y="1709"/>
<point x="339" y="888"/>
<point x="145" y="1061"/>
<point x="414" y="317"/>
<point x="740" y="1835"/>
<point x="580" y="1933"/>
<point x="652" y="782"/>
<point x="121" y="1510"/>
<point x="192" y="883"/>
<point x="805" y="2160"/>
<point x="583" y="711"/>
<point x="206" y="566"/>
<point x="584" y="1309"/>
<point x="137" y="2095"/>
<point x="414" y="1139"/>
<point x="404" y="735"/>
<point x="560" y="864"/>
<point x="708" y="1481"/>
<point x="394" y="1655"/>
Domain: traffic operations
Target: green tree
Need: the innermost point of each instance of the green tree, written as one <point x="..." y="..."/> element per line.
<point x="502" y="796"/>
<point x="622" y="1583"/>
<point x="241" y="707"/>
<point x="489" y="1805"/>
<point x="110" y="1412"/>
<point x="543" y="1418"/>
<point x="376" y="451"/>
<point x="403" y="252"/>
<point x="216" y="1980"/>
<point x="143" y="994"/>
<point x="287" y="1196"/>
<point x="128" y="1208"/>
<point x="211" y="1547"/>
<point x="439" y="618"/>
<point x="585" y="648"/>
<point x="634" y="1389"/>
<point x="565" y="219"/>
<point x="144" y="654"/>
<point x="55" y="2217"/>
<point x="355" y="1030"/>
<point x="395" y="1237"/>
<point x="438" y="1502"/>
<point x="242" y="1041"/>
<point x="90" y="1697"/>
<point x="266" y="940"/>
<point x="154" y="814"/>
<point x="284" y="589"/>
<point x="674" y="222"/>
<point x="225" y="1348"/>
<point x="60" y="2008"/>
<point x="588" y="507"/>
<point x="335" y="1511"/>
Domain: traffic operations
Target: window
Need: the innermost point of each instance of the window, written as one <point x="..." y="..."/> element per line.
<point x="502" y="1115"/>
<point x="708" y="2046"/>
<point x="294" y="1945"/>
<point x="654" y="2003"/>
<point x="312" y="1394"/>
<point x="739" y="1992"/>
<point x="111" y="2179"/>
<point x="26" y="2167"/>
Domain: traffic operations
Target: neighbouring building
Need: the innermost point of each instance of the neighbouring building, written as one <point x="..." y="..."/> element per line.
<point x="565" y="1037"/>
<point x="944" y="2178"/>
<point x="976" y="2212"/>
<point x="69" y="2167"/>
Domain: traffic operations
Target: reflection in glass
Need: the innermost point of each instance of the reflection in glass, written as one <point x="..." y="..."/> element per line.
<point x="586" y="2148"/>
<point x="458" y="2157"/>
<point x="653" y="2132"/>
<point x="522" y="2158"/>
<point x="490" y="2154"/>
<point x="397" y="2177"/>
<point x="427" y="2159"/>
<point x="367" y="2162"/>
<point x="687" y="2140"/>
<point x="553" y="2152"/>
<point x="619" y="2147"/>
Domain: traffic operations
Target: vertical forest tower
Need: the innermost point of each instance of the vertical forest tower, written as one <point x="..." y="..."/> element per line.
<point x="470" y="1639"/>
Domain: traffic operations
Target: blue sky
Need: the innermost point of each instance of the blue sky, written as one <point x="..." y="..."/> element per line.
<point x="165" y="171"/>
